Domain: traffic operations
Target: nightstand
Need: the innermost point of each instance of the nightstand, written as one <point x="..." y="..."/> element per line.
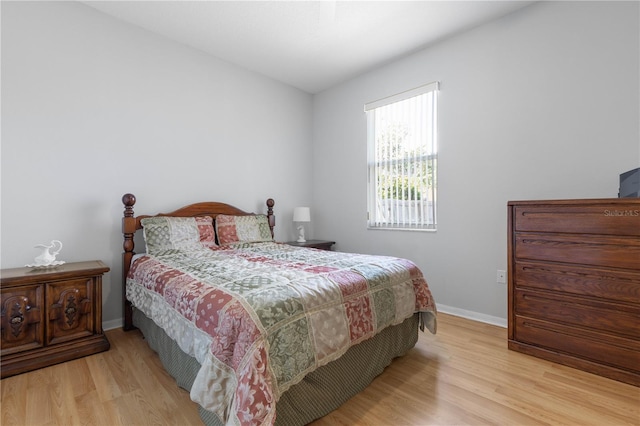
<point x="50" y="315"/>
<point x="317" y="244"/>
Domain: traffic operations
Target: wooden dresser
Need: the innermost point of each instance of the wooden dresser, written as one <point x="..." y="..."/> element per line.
<point x="574" y="283"/>
<point x="51" y="315"/>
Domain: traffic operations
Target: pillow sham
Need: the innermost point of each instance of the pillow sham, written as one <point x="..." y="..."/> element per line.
<point x="245" y="229"/>
<point x="167" y="232"/>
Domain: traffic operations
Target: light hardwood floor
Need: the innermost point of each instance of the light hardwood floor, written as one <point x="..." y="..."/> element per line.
<point x="462" y="375"/>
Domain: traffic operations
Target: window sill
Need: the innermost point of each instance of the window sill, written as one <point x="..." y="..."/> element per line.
<point x="390" y="228"/>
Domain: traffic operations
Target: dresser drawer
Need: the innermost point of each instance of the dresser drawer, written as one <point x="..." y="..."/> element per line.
<point x="594" y="250"/>
<point x="610" y="318"/>
<point x="608" y="284"/>
<point x="605" y="219"/>
<point x="587" y="344"/>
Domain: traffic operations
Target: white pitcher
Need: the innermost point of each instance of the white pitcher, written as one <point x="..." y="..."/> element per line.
<point x="49" y="253"/>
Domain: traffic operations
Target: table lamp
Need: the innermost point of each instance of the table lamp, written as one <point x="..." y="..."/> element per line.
<point x="301" y="215"/>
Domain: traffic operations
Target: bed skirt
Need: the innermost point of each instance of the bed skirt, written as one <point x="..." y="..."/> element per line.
<point x="320" y="392"/>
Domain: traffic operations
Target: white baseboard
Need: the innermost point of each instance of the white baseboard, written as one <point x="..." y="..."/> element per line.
<point x="475" y="316"/>
<point x="111" y="324"/>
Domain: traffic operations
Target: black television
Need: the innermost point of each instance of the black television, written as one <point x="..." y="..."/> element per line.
<point x="630" y="184"/>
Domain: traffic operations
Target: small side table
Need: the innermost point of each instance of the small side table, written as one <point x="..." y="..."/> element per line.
<point x="50" y="315"/>
<point x="317" y="244"/>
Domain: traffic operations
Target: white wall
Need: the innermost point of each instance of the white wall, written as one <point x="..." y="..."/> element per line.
<point x="541" y="104"/>
<point x="93" y="108"/>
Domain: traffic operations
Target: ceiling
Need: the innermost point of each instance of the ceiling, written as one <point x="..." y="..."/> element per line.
<point x="311" y="45"/>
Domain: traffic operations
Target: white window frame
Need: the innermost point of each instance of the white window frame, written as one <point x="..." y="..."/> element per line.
<point x="403" y="214"/>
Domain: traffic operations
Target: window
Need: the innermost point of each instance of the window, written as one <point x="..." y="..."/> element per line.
<point x="403" y="160"/>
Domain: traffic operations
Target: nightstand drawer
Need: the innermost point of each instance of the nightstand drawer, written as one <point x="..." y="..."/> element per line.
<point x="22" y="319"/>
<point x="70" y="308"/>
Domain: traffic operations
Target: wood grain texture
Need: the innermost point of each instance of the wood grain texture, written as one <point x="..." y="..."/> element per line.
<point x="463" y="375"/>
<point x="574" y="283"/>
<point x="50" y="316"/>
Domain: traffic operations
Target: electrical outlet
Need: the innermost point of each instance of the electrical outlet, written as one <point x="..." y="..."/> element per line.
<point x="502" y="277"/>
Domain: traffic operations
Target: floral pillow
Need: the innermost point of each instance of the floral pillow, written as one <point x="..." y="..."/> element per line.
<point x="242" y="229"/>
<point x="166" y="232"/>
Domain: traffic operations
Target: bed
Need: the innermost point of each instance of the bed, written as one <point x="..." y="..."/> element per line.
<point x="261" y="332"/>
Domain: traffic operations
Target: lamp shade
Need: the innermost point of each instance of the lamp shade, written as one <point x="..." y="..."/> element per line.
<point x="301" y="214"/>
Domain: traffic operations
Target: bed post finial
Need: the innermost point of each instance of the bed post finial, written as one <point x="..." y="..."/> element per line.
<point x="270" y="216"/>
<point x="128" y="200"/>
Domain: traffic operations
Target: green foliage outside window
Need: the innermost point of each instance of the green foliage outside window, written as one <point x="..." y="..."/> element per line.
<point x="407" y="172"/>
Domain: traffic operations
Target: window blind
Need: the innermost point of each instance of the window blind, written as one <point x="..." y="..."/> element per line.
<point x="402" y="157"/>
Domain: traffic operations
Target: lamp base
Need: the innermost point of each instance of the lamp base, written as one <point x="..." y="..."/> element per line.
<point x="301" y="234"/>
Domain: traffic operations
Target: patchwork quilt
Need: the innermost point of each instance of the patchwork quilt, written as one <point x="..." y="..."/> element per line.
<point x="258" y="317"/>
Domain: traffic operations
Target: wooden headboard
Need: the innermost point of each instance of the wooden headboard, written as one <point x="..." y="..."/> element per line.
<point x="131" y="224"/>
